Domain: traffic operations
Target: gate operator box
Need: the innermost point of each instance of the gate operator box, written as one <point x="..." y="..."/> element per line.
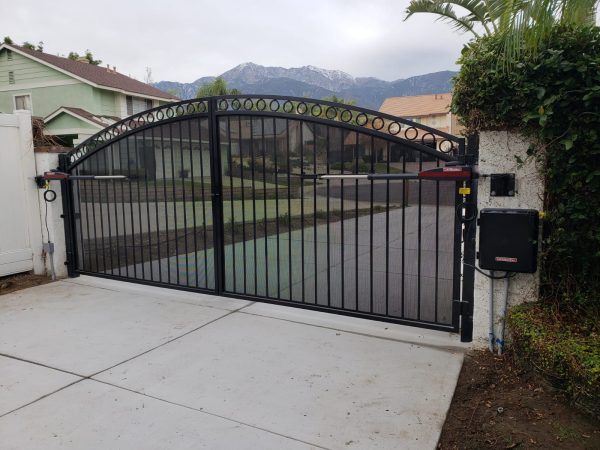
<point x="508" y="239"/>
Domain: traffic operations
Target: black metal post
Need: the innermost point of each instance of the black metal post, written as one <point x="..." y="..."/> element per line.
<point x="217" y="201"/>
<point x="68" y="217"/>
<point x="469" y="235"/>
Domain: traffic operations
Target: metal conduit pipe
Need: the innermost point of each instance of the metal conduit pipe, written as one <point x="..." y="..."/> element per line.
<point x="500" y="341"/>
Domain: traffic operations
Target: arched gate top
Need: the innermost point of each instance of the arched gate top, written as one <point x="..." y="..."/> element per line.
<point x="337" y="114"/>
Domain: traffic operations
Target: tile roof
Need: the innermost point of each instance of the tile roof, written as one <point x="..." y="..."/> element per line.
<point x="99" y="75"/>
<point x="417" y="105"/>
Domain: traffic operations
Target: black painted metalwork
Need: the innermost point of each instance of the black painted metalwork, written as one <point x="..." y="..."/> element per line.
<point x="227" y="195"/>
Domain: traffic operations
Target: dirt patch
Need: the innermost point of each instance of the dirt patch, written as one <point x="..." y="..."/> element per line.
<point x="498" y="405"/>
<point x="20" y="281"/>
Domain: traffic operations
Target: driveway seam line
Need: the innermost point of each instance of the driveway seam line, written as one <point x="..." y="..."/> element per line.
<point x="418" y="344"/>
<point x="201" y="410"/>
<point x="68" y="280"/>
<point x="46" y="366"/>
<point x="169" y="341"/>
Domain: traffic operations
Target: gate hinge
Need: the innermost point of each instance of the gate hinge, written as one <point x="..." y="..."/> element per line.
<point x="464" y="308"/>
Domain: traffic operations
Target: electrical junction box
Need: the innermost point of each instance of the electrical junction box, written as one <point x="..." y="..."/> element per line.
<point x="508" y="239"/>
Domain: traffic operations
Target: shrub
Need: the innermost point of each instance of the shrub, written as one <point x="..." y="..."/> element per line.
<point x="554" y="98"/>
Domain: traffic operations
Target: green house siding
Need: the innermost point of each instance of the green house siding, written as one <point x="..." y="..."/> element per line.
<point x="67" y="122"/>
<point x="27" y="71"/>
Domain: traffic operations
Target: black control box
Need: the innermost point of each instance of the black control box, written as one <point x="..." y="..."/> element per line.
<point x="508" y="239"/>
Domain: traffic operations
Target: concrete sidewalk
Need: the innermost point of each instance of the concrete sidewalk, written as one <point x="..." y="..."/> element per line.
<point x="97" y="364"/>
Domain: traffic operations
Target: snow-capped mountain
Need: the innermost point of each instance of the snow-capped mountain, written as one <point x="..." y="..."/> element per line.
<point x="315" y="82"/>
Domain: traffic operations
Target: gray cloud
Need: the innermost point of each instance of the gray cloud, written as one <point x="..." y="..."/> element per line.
<point x="185" y="39"/>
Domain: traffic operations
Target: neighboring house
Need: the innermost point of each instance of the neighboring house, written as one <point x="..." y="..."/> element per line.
<point x="76" y="99"/>
<point x="432" y="110"/>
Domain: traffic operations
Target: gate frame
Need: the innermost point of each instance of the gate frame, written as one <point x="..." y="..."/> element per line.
<point x="211" y="108"/>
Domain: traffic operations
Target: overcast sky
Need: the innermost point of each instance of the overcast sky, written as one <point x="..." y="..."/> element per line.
<point x="182" y="40"/>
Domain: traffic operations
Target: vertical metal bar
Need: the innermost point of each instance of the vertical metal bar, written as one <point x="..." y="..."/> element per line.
<point x="343" y="242"/>
<point x="470" y="233"/>
<point x="419" y="242"/>
<point x="277" y="206"/>
<point x="132" y="244"/>
<point x="82" y="258"/>
<point x="245" y="272"/>
<point x="99" y="184"/>
<point x="253" y="165"/>
<point x="231" y="187"/>
<point x="289" y="201"/>
<point x="356" y="153"/>
<point x="126" y="241"/>
<point x="116" y="211"/>
<point x="437" y="242"/>
<point x="217" y="203"/>
<point x="93" y="198"/>
<point x="328" y="228"/>
<point x="387" y="232"/>
<point x="315" y="211"/>
<point x="139" y="201"/>
<point x="69" y="218"/>
<point x="185" y="227"/>
<point x="190" y="122"/>
<point x="164" y="173"/>
<point x="371" y="228"/>
<point x="176" y="224"/>
<point x="302" y="207"/>
<point x="204" y="234"/>
<point x="156" y="206"/>
<point x="110" y="244"/>
<point x="266" y="234"/>
<point x="145" y="153"/>
<point x="404" y="199"/>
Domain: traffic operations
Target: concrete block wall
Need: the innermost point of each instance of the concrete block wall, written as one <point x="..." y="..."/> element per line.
<point x="499" y="152"/>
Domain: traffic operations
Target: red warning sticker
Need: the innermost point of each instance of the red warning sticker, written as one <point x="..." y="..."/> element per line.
<point x="506" y="259"/>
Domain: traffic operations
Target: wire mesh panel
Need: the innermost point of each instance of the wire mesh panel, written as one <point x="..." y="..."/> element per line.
<point x="268" y="198"/>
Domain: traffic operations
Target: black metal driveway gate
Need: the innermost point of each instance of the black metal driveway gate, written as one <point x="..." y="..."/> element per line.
<point x="257" y="197"/>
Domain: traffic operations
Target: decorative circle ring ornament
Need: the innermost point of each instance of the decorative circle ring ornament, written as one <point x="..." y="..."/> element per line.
<point x="411" y="129"/>
<point x="222" y="105"/>
<point x="378" y="123"/>
<point x="301" y="108"/>
<point x="160" y="115"/>
<point x="274" y="102"/>
<point x="180" y="111"/>
<point x="346" y="116"/>
<point x="170" y="112"/>
<point x="362" y="119"/>
<point x="191" y="108"/>
<point x="331" y="112"/>
<point x="316" y="110"/>
<point x="433" y="139"/>
<point x="394" y="128"/>
<point x="248" y="104"/>
<point x="236" y="105"/>
<point x="446" y="146"/>
<point x="261" y="104"/>
<point x="288" y="107"/>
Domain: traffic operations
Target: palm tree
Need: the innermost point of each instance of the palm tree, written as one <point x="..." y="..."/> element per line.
<point x="523" y="23"/>
<point x="217" y="87"/>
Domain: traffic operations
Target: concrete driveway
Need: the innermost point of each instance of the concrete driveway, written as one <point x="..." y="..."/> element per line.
<point x="89" y="363"/>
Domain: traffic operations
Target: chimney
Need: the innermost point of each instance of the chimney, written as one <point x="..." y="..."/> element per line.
<point x="83" y="59"/>
<point x="107" y="68"/>
<point x="115" y="69"/>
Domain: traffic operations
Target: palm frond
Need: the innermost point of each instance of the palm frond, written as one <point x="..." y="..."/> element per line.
<point x="445" y="12"/>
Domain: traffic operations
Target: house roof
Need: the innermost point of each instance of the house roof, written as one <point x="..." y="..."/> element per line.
<point x="417" y="105"/>
<point x="96" y="75"/>
<point x="94" y="119"/>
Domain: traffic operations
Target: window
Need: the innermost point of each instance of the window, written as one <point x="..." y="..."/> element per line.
<point x="129" y="100"/>
<point x="23" y="102"/>
<point x="9" y="54"/>
<point x="148" y="103"/>
<point x="11" y="77"/>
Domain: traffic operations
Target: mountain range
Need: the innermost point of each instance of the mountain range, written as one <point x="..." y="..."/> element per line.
<point x="314" y="82"/>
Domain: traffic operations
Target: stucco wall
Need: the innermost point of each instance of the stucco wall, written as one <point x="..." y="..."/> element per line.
<point x="498" y="153"/>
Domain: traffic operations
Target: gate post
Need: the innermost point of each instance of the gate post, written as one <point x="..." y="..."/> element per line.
<point x="469" y="254"/>
<point x="69" y="217"/>
<point x="216" y="197"/>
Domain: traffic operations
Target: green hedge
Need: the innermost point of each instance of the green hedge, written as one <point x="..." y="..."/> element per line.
<point x="554" y="98"/>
